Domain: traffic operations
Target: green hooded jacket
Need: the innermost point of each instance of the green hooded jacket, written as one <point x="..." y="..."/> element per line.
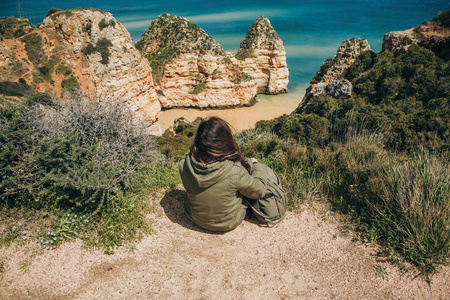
<point x="215" y="191"/>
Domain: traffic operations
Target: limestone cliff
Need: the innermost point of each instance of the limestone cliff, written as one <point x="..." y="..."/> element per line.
<point x="263" y="56"/>
<point x="190" y="69"/>
<point x="86" y="49"/>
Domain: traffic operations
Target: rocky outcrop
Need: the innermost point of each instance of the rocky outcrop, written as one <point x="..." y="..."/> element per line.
<point x="263" y="56"/>
<point x="86" y="49"/>
<point x="341" y="88"/>
<point x="397" y="42"/>
<point x="177" y="64"/>
<point x="346" y="55"/>
<point x="190" y="69"/>
<point x="433" y="35"/>
<point x="327" y="79"/>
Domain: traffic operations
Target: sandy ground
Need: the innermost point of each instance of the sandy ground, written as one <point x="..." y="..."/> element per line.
<point x="305" y="257"/>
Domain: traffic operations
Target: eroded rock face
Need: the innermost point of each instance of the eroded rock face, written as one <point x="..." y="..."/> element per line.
<point x="327" y="78"/>
<point x="190" y="69"/>
<point x="108" y="61"/>
<point x="336" y="88"/>
<point x="263" y="56"/>
<point x="346" y="55"/>
<point x="86" y="49"/>
<point x="397" y="42"/>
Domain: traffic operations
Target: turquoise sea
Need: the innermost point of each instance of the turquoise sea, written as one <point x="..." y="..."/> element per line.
<point x="312" y="30"/>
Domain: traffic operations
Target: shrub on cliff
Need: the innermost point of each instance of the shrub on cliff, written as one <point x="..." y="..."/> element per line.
<point x="19" y="89"/>
<point x="102" y="47"/>
<point x="75" y="155"/>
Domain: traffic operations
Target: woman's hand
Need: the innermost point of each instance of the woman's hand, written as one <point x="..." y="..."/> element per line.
<point x="253" y="160"/>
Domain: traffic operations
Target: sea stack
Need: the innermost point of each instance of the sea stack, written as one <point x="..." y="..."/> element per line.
<point x="263" y="56"/>
<point x="190" y="69"/>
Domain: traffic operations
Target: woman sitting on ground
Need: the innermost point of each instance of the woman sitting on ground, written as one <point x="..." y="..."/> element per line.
<point x="218" y="179"/>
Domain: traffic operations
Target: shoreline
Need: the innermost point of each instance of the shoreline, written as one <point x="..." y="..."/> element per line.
<point x="266" y="107"/>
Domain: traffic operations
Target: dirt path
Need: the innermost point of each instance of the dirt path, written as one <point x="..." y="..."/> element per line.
<point x="304" y="257"/>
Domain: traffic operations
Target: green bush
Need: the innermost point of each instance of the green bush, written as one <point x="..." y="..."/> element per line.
<point x="310" y="129"/>
<point x="63" y="69"/>
<point x="70" y="84"/>
<point x="9" y="88"/>
<point x="159" y="59"/>
<point x="245" y="53"/>
<point x="75" y="155"/>
<point x="40" y="98"/>
<point x="198" y="88"/>
<point x="51" y="11"/>
<point x="103" y="24"/>
<point x="33" y="46"/>
<point x="102" y="46"/>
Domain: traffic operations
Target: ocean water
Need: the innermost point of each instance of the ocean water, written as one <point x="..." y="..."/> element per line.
<point x="311" y="30"/>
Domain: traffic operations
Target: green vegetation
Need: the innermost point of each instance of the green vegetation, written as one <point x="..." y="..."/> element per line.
<point x="64" y="69"/>
<point x="442" y="19"/>
<point x="57" y="12"/>
<point x="260" y="28"/>
<point x="85" y="169"/>
<point x="102" y="46"/>
<point x="43" y="64"/>
<point x="198" y="88"/>
<point x="70" y="84"/>
<point x="159" y="59"/>
<point x="40" y="98"/>
<point x="13" y="28"/>
<point x="18" y="89"/>
<point x="381" y="156"/>
<point x="33" y="46"/>
<point x="87" y="28"/>
<point x="103" y="24"/>
<point x="51" y="11"/>
<point x="242" y="54"/>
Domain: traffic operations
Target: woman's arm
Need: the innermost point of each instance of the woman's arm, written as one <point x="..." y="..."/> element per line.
<point x="252" y="186"/>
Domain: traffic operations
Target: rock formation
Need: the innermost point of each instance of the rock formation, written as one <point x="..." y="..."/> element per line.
<point x="177" y="64"/>
<point x="86" y="49"/>
<point x="434" y="35"/>
<point x="397" y="42"/>
<point x="190" y="69"/>
<point x="262" y="55"/>
<point x="327" y="79"/>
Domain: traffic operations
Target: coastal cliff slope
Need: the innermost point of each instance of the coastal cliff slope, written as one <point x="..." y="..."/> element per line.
<point x="86" y="49"/>
<point x="328" y="79"/>
<point x="190" y="69"/>
<point x="433" y="35"/>
<point x="331" y="79"/>
<point x="262" y="55"/>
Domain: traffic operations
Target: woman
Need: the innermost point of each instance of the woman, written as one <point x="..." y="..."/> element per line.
<point x="217" y="178"/>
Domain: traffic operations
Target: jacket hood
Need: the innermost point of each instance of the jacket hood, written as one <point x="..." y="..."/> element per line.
<point x="205" y="175"/>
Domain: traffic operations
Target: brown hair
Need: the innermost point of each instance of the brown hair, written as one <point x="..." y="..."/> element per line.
<point x="214" y="141"/>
